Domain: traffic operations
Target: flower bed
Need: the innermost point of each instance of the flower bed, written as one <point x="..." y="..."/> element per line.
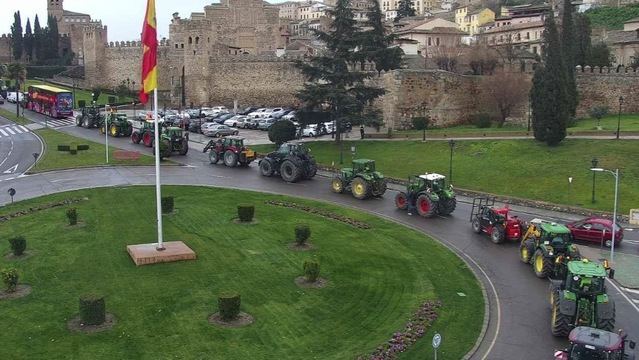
<point x="321" y="212"/>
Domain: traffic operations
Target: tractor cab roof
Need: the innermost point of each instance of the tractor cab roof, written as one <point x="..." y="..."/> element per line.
<point x="599" y="339"/>
<point x="233" y="137"/>
<point x="586" y="267"/>
<point x="432" y="176"/>
<point x="363" y="161"/>
<point x="550" y="227"/>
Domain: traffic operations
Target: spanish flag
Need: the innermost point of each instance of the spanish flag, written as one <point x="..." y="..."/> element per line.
<point x="149" y="57"/>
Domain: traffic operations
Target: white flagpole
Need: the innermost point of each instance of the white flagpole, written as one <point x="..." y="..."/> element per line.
<point x="106" y="130"/>
<point x="158" y="192"/>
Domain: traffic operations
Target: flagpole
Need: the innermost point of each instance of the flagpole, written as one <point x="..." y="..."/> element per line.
<point x="158" y="192"/>
<point x="106" y="131"/>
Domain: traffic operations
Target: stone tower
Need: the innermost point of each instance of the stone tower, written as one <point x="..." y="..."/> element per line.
<point x="55" y="8"/>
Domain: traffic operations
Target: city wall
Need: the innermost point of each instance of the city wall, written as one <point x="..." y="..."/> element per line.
<point x="603" y="87"/>
<point x="5" y="49"/>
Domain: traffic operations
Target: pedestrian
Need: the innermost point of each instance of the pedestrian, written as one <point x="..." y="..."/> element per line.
<point x="361" y="130"/>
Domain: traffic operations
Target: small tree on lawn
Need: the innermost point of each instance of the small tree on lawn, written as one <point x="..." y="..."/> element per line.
<point x="10" y="279"/>
<point x="281" y="132"/>
<point x="598" y="112"/>
<point x="504" y="92"/>
<point x="420" y="123"/>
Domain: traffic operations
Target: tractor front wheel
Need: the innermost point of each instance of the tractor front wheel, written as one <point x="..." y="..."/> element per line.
<point x="114" y="131"/>
<point x="425" y="206"/>
<point x="560" y="325"/>
<point x="135" y="138"/>
<point x="147" y="139"/>
<point x="379" y="188"/>
<point x="230" y="158"/>
<point x="337" y="185"/>
<point x="290" y="172"/>
<point x="542" y="265"/>
<point x="266" y="167"/>
<point x="526" y="249"/>
<point x="184" y="149"/>
<point x="78" y="121"/>
<point x="401" y="200"/>
<point x="497" y="235"/>
<point x="447" y="206"/>
<point x="102" y="130"/>
<point x="213" y="156"/>
<point x="360" y="188"/>
<point x="476" y="225"/>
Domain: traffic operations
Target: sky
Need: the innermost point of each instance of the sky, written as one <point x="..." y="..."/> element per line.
<point x="123" y="17"/>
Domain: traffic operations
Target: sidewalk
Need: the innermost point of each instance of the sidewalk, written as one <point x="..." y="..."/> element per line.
<point x="626" y="266"/>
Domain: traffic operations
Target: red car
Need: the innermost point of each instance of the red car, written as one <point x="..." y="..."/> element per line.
<point x="595" y="230"/>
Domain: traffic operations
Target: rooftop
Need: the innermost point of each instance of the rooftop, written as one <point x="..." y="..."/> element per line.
<point x="635" y="20"/>
<point x="73" y="13"/>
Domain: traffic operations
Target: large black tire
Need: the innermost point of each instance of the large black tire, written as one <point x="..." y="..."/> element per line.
<point x="86" y="123"/>
<point x="476" y="224"/>
<point x="168" y="149"/>
<point x="447" y="206"/>
<point x="78" y="120"/>
<point x="497" y="235"/>
<point x="102" y="130"/>
<point x="230" y="158"/>
<point x="541" y="264"/>
<point x="425" y="206"/>
<point x="360" y="188"/>
<point x="310" y="171"/>
<point x="337" y="185"/>
<point x="608" y="324"/>
<point x="213" y="157"/>
<point x="559" y="323"/>
<point x="266" y="167"/>
<point x="379" y="188"/>
<point x="526" y="250"/>
<point x="185" y="147"/>
<point x="290" y="172"/>
<point x="136" y="138"/>
<point x="401" y="200"/>
<point x="114" y="130"/>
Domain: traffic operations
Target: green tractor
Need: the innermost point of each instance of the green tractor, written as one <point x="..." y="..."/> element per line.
<point x="89" y="117"/>
<point x="580" y="299"/>
<point x="548" y="247"/>
<point x="362" y="180"/>
<point x="173" y="139"/>
<point x="145" y="134"/>
<point x="292" y="160"/>
<point x="428" y="195"/>
<point x="117" y="124"/>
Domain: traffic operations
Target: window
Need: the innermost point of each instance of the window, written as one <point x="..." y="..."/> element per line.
<point x="534" y="49"/>
<point x="182" y="45"/>
<point x="176" y="46"/>
<point x="437" y="41"/>
<point x="197" y="40"/>
<point x="527" y="36"/>
<point x="430" y="43"/>
<point x="190" y="40"/>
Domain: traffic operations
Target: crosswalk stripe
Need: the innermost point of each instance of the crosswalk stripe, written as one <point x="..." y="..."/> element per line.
<point x="3" y="133"/>
<point x="10" y="131"/>
<point x="23" y="128"/>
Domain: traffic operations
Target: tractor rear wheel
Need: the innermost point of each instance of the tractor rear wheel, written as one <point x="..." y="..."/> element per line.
<point x="311" y="170"/>
<point x="290" y="172"/>
<point x="447" y="206"/>
<point x="360" y="188"/>
<point x="114" y="131"/>
<point x="425" y="206"/>
<point x="526" y="249"/>
<point x="213" y="156"/>
<point x="541" y="264"/>
<point x="166" y="149"/>
<point x="230" y="158"/>
<point x="401" y="200"/>
<point x="379" y="188"/>
<point x="560" y="323"/>
<point x="78" y="121"/>
<point x="86" y="123"/>
<point x="184" y="147"/>
<point x="476" y="225"/>
<point x="337" y="185"/>
<point x="102" y="130"/>
<point x="497" y="235"/>
<point x="266" y="167"/>
<point x="147" y="139"/>
<point x="135" y="138"/>
<point x="608" y="324"/>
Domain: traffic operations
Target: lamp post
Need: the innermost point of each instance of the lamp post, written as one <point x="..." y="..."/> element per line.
<point x="75" y="83"/>
<point x="614" y="211"/>
<point x="619" y="116"/>
<point x="451" y="143"/>
<point x="594" y="162"/>
<point x="529" y="112"/>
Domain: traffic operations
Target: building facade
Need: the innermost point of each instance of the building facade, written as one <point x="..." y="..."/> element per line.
<point x="471" y="21"/>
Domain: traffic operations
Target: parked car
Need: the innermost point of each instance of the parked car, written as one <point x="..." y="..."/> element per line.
<point x="235" y="121"/>
<point x="217" y="130"/>
<point x="329" y="128"/>
<point x="291" y="115"/>
<point x="279" y="112"/>
<point x="247" y="110"/>
<point x="260" y="113"/>
<point x="594" y="229"/>
<point x="310" y="130"/>
<point x="1" y="100"/>
<point x="215" y="110"/>
<point x="221" y="119"/>
<point x="266" y="124"/>
<point x="251" y="123"/>
<point x="195" y="125"/>
<point x="11" y="97"/>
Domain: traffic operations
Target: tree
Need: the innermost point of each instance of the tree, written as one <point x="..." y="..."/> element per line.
<point x="420" y="123"/>
<point x="16" y="36"/>
<point x="504" y="92"/>
<point x="446" y="57"/>
<point x="548" y="94"/>
<point x="53" y="38"/>
<point x="568" y="43"/>
<point x="598" y="112"/>
<point x="37" y="38"/>
<point x="404" y="9"/>
<point x="28" y="41"/>
<point x="281" y="132"/>
<point x="600" y="55"/>
<point x="376" y="42"/>
<point x="334" y="86"/>
<point x="482" y="60"/>
<point x="583" y="43"/>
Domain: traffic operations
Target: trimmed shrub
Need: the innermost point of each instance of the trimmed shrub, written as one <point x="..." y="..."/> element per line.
<point x="167" y="204"/>
<point x="18" y="245"/>
<point x="72" y="216"/>
<point x="311" y="270"/>
<point x="10" y="279"/>
<point x="281" y="132"/>
<point x="82" y="147"/>
<point x="482" y="120"/>
<point x="229" y="305"/>
<point x="64" y="147"/>
<point x="92" y="309"/>
<point x="302" y="233"/>
<point x="245" y="212"/>
<point x="73" y="151"/>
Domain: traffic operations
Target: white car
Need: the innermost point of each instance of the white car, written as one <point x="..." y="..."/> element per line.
<point x="290" y="116"/>
<point x="212" y="111"/>
<point x="329" y="127"/>
<point x="11" y="97"/>
<point x="310" y="131"/>
<point x="258" y="113"/>
<point x="236" y="121"/>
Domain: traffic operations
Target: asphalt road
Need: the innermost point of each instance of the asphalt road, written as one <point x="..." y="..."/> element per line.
<point x="519" y="324"/>
<point x="17" y="145"/>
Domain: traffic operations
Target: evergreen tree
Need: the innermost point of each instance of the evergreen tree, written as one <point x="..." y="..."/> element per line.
<point x="28" y="41"/>
<point x="37" y="38"/>
<point x="53" y="38"/>
<point x="600" y="55"/>
<point x="550" y="110"/>
<point x="334" y="88"/>
<point x="568" y="42"/>
<point x="583" y="43"/>
<point x="376" y="42"/>
<point x="404" y="9"/>
<point x="16" y="36"/>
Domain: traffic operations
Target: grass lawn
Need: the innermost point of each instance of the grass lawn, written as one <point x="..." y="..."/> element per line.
<point x="521" y="168"/>
<point x="12" y="116"/>
<point x="377" y="278"/>
<point x="79" y="93"/>
<point x="629" y="122"/>
<point x="54" y="159"/>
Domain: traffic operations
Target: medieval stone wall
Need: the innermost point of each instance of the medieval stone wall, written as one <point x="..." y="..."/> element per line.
<point x="5" y="48"/>
<point x="603" y="86"/>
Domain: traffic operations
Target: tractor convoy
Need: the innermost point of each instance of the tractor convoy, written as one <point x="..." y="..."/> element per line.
<point x="428" y="195"/>
<point x="361" y="180"/>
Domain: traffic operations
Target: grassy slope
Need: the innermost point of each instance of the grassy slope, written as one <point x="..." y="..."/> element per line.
<point x="12" y="116"/>
<point x="612" y="17"/>
<point x="162" y="309"/>
<point x="54" y="159"/>
<point x="522" y="168"/>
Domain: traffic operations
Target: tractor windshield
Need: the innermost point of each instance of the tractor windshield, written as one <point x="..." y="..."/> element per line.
<point x="438" y="185"/>
<point x="588" y="352"/>
<point x="585" y="285"/>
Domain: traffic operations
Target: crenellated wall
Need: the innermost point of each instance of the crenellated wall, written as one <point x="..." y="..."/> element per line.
<point x="603" y="86"/>
<point x="5" y="48"/>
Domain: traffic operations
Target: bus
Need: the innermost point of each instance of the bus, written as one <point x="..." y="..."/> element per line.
<point x="49" y="100"/>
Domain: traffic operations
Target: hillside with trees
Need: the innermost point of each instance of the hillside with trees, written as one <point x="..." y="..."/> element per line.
<point x="612" y="18"/>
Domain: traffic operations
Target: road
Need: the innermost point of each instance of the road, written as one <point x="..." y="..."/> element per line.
<point x="519" y="324"/>
<point x="17" y="146"/>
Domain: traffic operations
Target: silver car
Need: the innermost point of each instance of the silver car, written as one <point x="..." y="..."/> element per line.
<point x="217" y="130"/>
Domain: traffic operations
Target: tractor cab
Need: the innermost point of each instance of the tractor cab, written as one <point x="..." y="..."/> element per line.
<point x="593" y="344"/>
<point x="496" y="222"/>
<point x="174" y="133"/>
<point x="235" y="141"/>
<point x="363" y="165"/>
<point x="434" y="181"/>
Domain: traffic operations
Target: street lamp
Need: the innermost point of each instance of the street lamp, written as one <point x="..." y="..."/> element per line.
<point x="614" y="211"/>
<point x="619" y="116"/>
<point x="594" y="162"/>
<point x="451" y="143"/>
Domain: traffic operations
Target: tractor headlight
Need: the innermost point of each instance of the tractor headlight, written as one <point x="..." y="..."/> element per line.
<point x="550" y="253"/>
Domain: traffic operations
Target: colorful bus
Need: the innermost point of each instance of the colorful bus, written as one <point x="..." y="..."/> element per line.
<point x="49" y="100"/>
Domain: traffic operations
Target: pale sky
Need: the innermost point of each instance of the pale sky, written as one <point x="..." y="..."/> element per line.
<point x="123" y="17"/>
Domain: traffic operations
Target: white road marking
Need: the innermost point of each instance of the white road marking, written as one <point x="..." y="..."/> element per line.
<point x="3" y="133"/>
<point x="10" y="131"/>
<point x="631" y="290"/>
<point x="23" y="128"/>
<point x="623" y="294"/>
<point x="11" y="170"/>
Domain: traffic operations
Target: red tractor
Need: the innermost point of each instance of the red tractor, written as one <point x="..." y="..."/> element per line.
<point x="230" y="150"/>
<point x="496" y="222"/>
<point x="588" y="343"/>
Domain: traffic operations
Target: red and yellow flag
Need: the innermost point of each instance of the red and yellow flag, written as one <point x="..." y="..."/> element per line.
<point x="149" y="57"/>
